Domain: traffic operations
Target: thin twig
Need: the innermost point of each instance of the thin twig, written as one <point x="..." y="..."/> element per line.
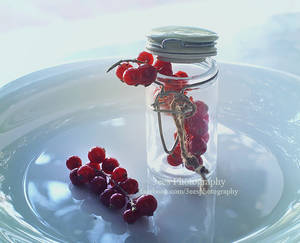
<point x="188" y="158"/>
<point x="181" y="108"/>
<point x="119" y="62"/>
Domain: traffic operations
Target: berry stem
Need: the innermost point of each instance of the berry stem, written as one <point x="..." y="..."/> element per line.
<point x="116" y="184"/>
<point x="181" y="108"/>
<point x="188" y="158"/>
<point x="190" y="110"/>
<point x="133" y="205"/>
<point x="119" y="62"/>
<point x="121" y="189"/>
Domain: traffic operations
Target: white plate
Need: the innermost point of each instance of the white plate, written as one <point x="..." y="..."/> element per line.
<point x="52" y="114"/>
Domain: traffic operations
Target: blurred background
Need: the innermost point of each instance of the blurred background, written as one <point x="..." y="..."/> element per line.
<point x="36" y="34"/>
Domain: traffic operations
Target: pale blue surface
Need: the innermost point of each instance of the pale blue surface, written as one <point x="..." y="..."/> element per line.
<point x="44" y="120"/>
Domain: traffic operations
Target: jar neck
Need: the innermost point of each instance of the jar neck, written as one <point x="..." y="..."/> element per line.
<point x="198" y="73"/>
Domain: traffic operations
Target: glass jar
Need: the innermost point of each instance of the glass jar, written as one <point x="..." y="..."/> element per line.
<point x="181" y="122"/>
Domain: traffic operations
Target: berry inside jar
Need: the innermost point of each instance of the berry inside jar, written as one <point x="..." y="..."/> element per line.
<point x="181" y="113"/>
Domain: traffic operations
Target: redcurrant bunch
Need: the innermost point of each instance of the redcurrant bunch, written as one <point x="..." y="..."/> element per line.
<point x="145" y="71"/>
<point x="105" y="177"/>
<point x="197" y="136"/>
<point x="143" y="74"/>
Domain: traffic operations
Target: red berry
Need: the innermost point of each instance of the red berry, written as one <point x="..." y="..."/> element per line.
<point x="97" y="155"/>
<point x="73" y="162"/>
<point x="75" y="178"/>
<point x="105" y="196"/>
<point x="132" y="76"/>
<point x="145" y="57"/>
<point x="165" y="101"/>
<point x="146" y="205"/>
<point x="200" y="163"/>
<point x="175" y="85"/>
<point x="181" y="74"/>
<point x="119" y="174"/>
<point x="203" y="127"/>
<point x="200" y="160"/>
<point x="205" y="137"/>
<point x="197" y="123"/>
<point x="201" y="111"/>
<point x="197" y="146"/>
<point x="95" y="166"/>
<point x="148" y="74"/>
<point x="86" y="173"/>
<point x="130" y="216"/>
<point x="130" y="185"/>
<point x="177" y="150"/>
<point x="100" y="173"/>
<point x="196" y="127"/>
<point x="174" y="160"/>
<point x="175" y="135"/>
<point x="98" y="184"/>
<point x="109" y="164"/>
<point x="121" y="69"/>
<point x="202" y="108"/>
<point x="163" y="67"/>
<point x="206" y="117"/>
<point x="117" y="200"/>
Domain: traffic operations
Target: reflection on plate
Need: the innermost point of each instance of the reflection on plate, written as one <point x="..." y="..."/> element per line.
<point x="52" y="114"/>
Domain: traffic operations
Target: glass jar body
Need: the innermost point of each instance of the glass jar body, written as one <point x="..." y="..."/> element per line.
<point x="200" y="128"/>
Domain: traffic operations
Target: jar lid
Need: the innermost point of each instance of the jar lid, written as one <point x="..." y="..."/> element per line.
<point x="182" y="44"/>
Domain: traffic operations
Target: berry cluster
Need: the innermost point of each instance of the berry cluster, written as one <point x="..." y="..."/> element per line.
<point x="171" y="86"/>
<point x="145" y="72"/>
<point x="106" y="178"/>
<point x="197" y="136"/>
<point x="196" y="126"/>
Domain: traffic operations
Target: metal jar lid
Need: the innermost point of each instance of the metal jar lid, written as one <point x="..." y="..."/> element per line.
<point x="182" y="44"/>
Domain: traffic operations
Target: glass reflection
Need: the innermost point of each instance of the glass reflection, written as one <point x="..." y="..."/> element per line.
<point x="58" y="191"/>
<point x="43" y="159"/>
